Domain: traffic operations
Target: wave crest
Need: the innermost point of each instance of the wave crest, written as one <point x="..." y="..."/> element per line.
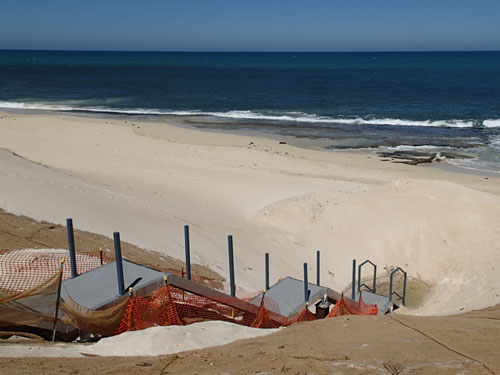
<point x="299" y="117"/>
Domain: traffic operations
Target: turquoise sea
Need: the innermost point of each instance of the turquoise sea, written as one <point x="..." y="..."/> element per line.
<point x="433" y="101"/>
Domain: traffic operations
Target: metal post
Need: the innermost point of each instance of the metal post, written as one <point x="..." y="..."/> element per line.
<point x="317" y="267"/>
<point x="359" y="278"/>
<point x="306" y="286"/>
<point x="56" y="313"/>
<point x="71" y="246"/>
<point x="404" y="289"/>
<point x="267" y="271"/>
<point x="353" y="279"/>
<point x="188" y="252"/>
<point x="390" y="288"/>
<point x="119" y="264"/>
<point x="231" y="265"/>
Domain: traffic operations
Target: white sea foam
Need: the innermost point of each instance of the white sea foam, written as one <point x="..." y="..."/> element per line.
<point x="65" y="108"/>
<point x="252" y="115"/>
<point x="491" y="123"/>
<point x="417" y="148"/>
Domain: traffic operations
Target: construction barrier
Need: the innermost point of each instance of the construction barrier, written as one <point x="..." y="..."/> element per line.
<point x="350" y="307"/>
<point x="28" y="296"/>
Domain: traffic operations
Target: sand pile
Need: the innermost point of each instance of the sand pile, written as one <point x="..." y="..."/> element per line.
<point x="148" y="342"/>
<point x="441" y="233"/>
<point x="173" y="339"/>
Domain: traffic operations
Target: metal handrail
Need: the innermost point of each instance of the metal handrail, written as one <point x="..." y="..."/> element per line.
<point x="391" y="292"/>
<point x="374" y="288"/>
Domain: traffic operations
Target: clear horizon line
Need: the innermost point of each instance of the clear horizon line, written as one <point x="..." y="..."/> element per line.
<point x="246" y="51"/>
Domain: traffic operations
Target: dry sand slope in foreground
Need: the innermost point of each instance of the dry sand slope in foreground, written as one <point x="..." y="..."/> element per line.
<point x="147" y="180"/>
<point x="462" y="344"/>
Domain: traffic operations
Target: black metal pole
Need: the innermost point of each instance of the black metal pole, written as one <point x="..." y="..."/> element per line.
<point x="353" y="279"/>
<point x="390" y="287"/>
<point x="231" y="265"/>
<point x="267" y="271"/>
<point x="188" y="252"/>
<point x="119" y="264"/>
<point x="71" y="246"/>
<point x="56" y="313"/>
<point x="404" y="289"/>
<point x="359" y="277"/>
<point x="306" y="286"/>
<point x="317" y="267"/>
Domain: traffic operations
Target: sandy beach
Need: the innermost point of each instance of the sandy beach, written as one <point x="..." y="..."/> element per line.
<point x="149" y="179"/>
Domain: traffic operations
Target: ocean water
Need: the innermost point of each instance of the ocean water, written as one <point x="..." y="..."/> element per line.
<point x="439" y="101"/>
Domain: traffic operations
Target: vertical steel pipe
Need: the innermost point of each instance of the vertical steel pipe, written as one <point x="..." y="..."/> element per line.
<point x="188" y="252"/>
<point x="231" y="265"/>
<point x="58" y="300"/>
<point x="267" y="271"/>
<point x="306" y="284"/>
<point x="119" y="264"/>
<point x="317" y="267"/>
<point x="71" y="246"/>
<point x="353" y="279"/>
<point x="390" y="288"/>
<point x="404" y="289"/>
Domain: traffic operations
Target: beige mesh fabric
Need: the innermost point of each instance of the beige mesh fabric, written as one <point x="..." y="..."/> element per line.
<point x="44" y="287"/>
<point x="105" y="322"/>
<point x="32" y="306"/>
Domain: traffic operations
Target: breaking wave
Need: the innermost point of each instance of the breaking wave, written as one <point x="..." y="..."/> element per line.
<point x="290" y="117"/>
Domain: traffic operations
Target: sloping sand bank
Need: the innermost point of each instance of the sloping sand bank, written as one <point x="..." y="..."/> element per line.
<point x="147" y="180"/>
<point x="427" y="227"/>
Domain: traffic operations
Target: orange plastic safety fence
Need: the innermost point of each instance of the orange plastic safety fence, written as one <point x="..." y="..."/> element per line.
<point x="263" y="319"/>
<point x="350" y="307"/>
<point x="24" y="269"/>
<point x="155" y="310"/>
<point x="193" y="308"/>
<point x="172" y="306"/>
<point x="304" y="316"/>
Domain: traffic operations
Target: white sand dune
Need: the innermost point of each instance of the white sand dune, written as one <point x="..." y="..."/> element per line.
<point x="147" y="180"/>
<point x="440" y="232"/>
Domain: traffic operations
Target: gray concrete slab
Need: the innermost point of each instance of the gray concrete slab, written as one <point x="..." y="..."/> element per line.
<point x="99" y="287"/>
<point x="288" y="294"/>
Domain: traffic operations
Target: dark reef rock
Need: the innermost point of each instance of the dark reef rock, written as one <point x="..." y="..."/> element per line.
<point x="419" y="157"/>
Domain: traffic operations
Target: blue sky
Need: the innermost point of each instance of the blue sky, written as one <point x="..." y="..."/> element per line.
<point x="257" y="25"/>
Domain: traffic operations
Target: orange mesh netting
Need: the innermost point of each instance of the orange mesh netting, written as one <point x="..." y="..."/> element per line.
<point x="24" y="269"/>
<point x="157" y="310"/>
<point x="172" y="306"/>
<point x="303" y="316"/>
<point x="350" y="307"/>
<point x="263" y="319"/>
